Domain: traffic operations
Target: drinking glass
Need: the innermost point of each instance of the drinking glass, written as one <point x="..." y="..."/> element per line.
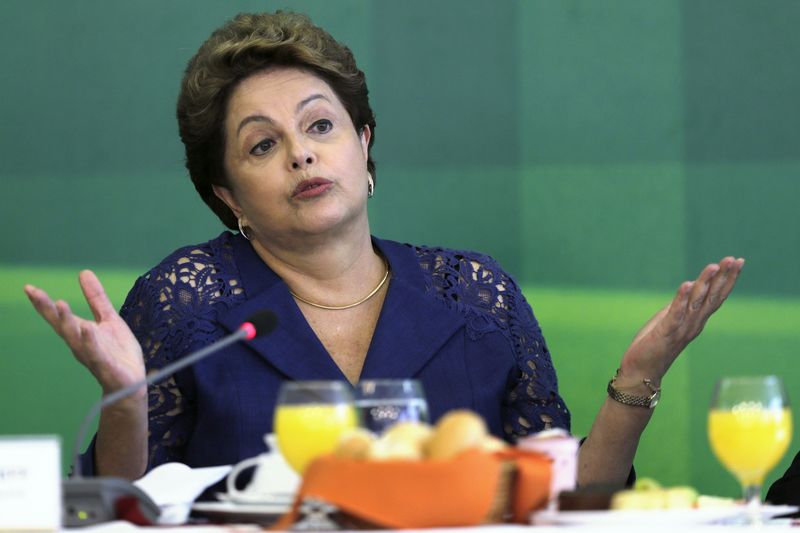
<point x="749" y="427"/>
<point x="310" y="418"/>
<point x="385" y="402"/>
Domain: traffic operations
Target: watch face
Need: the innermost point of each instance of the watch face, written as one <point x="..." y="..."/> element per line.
<point x="654" y="399"/>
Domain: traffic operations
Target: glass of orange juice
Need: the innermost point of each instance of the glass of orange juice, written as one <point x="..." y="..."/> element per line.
<point x="310" y="418"/>
<point x="749" y="427"/>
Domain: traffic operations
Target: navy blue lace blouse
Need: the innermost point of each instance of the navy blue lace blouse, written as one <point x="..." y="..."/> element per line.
<point x="452" y="319"/>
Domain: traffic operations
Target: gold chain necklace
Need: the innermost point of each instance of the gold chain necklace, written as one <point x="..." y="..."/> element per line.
<point x="348" y="306"/>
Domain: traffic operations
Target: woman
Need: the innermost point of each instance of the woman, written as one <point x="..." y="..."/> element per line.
<point x="277" y="127"/>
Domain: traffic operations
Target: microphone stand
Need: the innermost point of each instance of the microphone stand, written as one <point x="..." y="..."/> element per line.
<point x="114" y="397"/>
<point x="95" y="500"/>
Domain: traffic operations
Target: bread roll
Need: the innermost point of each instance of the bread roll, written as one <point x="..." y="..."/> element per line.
<point x="414" y="432"/>
<point x="384" y="450"/>
<point x="638" y="499"/>
<point x="355" y="444"/>
<point x="405" y="440"/>
<point x="491" y="444"/>
<point x="655" y="498"/>
<point x="680" y="497"/>
<point x="456" y="431"/>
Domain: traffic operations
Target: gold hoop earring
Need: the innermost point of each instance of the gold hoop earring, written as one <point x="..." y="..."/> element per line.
<point x="242" y="230"/>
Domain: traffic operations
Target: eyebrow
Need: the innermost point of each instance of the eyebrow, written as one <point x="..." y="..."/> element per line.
<point x="252" y="118"/>
<point x="263" y="118"/>
<point x="308" y="100"/>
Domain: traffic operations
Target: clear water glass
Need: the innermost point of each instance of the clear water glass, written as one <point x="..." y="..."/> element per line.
<point x="385" y="402"/>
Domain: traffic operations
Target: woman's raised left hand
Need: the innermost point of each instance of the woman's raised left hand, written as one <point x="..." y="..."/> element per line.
<point x="662" y="339"/>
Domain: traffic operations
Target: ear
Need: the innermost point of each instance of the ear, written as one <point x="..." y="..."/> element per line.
<point x="365" y="136"/>
<point x="225" y="194"/>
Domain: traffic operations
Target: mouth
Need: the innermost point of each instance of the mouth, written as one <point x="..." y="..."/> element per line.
<point x="311" y="188"/>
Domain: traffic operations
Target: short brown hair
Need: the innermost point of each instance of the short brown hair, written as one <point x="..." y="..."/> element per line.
<point x="247" y="44"/>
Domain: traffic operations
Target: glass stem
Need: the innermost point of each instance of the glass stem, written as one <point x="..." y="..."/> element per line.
<point x="752" y="495"/>
<point x="752" y="498"/>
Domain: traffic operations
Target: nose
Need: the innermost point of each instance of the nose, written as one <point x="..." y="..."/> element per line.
<point x="302" y="163"/>
<point x="300" y="155"/>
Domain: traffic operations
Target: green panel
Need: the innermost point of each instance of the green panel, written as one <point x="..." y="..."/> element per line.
<point x="463" y="208"/>
<point x="747" y="210"/>
<point x="445" y="83"/>
<point x="600" y="82"/>
<point x="604" y="225"/>
<point x="95" y="82"/>
<point x="742" y="80"/>
<point x="90" y="94"/>
<point x="129" y="220"/>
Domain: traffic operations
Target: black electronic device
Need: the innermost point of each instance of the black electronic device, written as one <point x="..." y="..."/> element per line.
<point x="93" y="500"/>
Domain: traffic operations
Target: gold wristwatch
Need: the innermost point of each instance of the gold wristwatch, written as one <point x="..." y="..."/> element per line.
<point x="648" y="402"/>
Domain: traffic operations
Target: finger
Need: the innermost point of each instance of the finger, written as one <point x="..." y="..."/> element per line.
<point x="733" y="275"/>
<point x="677" y="309"/>
<point x="95" y="295"/>
<point x="89" y="343"/>
<point x="68" y="325"/>
<point x="43" y="305"/>
<point x="700" y="290"/>
<point x="722" y="284"/>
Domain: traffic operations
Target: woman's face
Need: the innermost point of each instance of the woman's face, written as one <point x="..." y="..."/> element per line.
<point x="296" y="165"/>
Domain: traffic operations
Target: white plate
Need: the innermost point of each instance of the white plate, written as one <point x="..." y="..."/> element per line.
<point x="244" y="498"/>
<point x="662" y="517"/>
<point x="262" y="513"/>
<point x="231" y="507"/>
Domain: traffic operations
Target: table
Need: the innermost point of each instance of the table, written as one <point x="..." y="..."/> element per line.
<point x="124" y="527"/>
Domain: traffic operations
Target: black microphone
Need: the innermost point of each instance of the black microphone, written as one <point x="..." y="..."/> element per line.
<point x="100" y="499"/>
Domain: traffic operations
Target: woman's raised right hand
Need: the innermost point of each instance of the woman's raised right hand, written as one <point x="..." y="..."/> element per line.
<point x="105" y="345"/>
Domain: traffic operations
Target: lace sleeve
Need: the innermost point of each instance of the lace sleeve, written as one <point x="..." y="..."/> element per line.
<point x="172" y="311"/>
<point x="491" y="300"/>
<point x="534" y="403"/>
<point x="146" y="310"/>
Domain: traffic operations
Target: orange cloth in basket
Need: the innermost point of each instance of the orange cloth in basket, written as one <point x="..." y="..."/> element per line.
<point x="417" y="494"/>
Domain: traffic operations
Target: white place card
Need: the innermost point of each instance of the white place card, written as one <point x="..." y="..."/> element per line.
<point x="30" y="483"/>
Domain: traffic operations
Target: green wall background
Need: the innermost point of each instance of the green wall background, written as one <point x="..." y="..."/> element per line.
<point x="603" y="151"/>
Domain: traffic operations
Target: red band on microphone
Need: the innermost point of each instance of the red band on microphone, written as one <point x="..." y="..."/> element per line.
<point x="248" y="328"/>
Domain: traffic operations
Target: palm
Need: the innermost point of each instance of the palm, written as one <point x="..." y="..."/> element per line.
<point x="662" y="339"/>
<point x="111" y="353"/>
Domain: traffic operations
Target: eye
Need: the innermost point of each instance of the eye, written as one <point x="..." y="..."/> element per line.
<point x="321" y="126"/>
<point x="262" y="147"/>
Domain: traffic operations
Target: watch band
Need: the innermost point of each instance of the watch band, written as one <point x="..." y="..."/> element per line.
<point x="648" y="402"/>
